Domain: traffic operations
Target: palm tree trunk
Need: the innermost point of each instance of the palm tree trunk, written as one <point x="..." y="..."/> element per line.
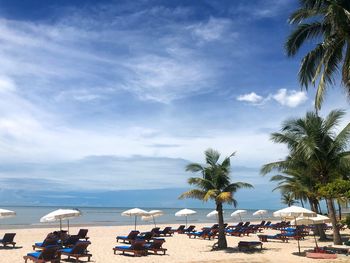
<point x="336" y="233"/>
<point x="222" y="242"/>
<point x="319" y="231"/>
<point x="339" y="209"/>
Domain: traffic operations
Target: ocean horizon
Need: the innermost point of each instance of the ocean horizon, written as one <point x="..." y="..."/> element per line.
<point x="29" y="216"/>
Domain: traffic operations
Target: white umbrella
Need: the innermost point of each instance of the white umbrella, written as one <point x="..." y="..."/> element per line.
<point x="319" y="219"/>
<point x="59" y="215"/>
<point x="239" y="212"/>
<point x="213" y="213"/>
<point x="185" y="212"/>
<point x="135" y="212"/>
<point x="260" y="213"/>
<point x="4" y="213"/>
<point x="294" y="212"/>
<point x="151" y="215"/>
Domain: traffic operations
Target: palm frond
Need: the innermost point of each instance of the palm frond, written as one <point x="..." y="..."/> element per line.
<point x="194" y="193"/>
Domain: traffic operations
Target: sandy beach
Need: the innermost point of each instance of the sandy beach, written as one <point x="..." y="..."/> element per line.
<point x="180" y="247"/>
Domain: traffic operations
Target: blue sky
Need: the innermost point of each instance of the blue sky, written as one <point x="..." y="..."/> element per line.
<point x="121" y="95"/>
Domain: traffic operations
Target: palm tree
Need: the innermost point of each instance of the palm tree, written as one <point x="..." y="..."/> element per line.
<point x="325" y="153"/>
<point x="288" y="199"/>
<point x="214" y="184"/>
<point x="328" y="23"/>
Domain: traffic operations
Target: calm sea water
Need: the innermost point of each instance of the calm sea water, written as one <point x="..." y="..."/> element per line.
<point x="30" y="216"/>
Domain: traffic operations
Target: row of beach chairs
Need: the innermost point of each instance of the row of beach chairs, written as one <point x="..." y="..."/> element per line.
<point x="58" y="244"/>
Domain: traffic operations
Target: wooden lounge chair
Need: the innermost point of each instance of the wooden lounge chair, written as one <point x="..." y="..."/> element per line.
<point x="189" y="230"/>
<point x="132" y="235"/>
<point x="78" y="251"/>
<point x="82" y="234"/>
<point x="146" y="236"/>
<point x="156" y="246"/>
<point x="201" y="234"/>
<point x="265" y="238"/>
<point x="249" y="245"/>
<point x="48" y="254"/>
<point x="136" y="247"/>
<point x="155" y="231"/>
<point x="8" y="239"/>
<point x="166" y="231"/>
<point x="71" y="241"/>
<point x="45" y="243"/>
<point x="180" y="229"/>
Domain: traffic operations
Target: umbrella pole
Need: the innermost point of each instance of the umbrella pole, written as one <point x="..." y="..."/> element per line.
<point x="68" y="225"/>
<point x="135" y="222"/>
<point x="154" y="222"/>
<point x="296" y="224"/>
<point x="240" y="217"/>
<point x="60" y="224"/>
<point x="186" y="221"/>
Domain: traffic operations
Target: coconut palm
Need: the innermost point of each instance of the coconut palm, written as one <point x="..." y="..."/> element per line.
<point x="214" y="184"/>
<point x="298" y="182"/>
<point x="288" y="199"/>
<point x="325" y="153"/>
<point x="326" y="23"/>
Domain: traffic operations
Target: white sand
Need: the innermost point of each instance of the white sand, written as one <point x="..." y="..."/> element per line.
<point x="180" y="247"/>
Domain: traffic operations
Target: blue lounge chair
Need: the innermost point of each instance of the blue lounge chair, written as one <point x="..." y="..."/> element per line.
<point x="132" y="236"/>
<point x="48" y="254"/>
<point x="78" y="251"/>
<point x="136" y="247"/>
<point x="45" y="243"/>
<point x="156" y="246"/>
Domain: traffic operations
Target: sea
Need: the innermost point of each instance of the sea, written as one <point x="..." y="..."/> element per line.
<point x="29" y="216"/>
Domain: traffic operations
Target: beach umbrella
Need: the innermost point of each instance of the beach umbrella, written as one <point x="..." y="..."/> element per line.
<point x="239" y="212"/>
<point x="185" y="212"/>
<point x="319" y="219"/>
<point x="135" y="212"/>
<point x="213" y="213"/>
<point x="4" y="213"/>
<point x="260" y="213"/>
<point x="293" y="212"/>
<point x="151" y="216"/>
<point x="59" y="215"/>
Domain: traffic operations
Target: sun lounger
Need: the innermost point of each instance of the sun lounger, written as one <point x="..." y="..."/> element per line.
<point x="82" y="234"/>
<point x="78" y="251"/>
<point x="341" y="249"/>
<point x="201" y="234"/>
<point x="45" y="243"/>
<point x="155" y="231"/>
<point x="71" y="241"/>
<point x="8" y="239"/>
<point x="48" y="254"/>
<point x="265" y="238"/>
<point x="166" y="231"/>
<point x="189" y="229"/>
<point x="146" y="236"/>
<point x="248" y="245"/>
<point x="132" y="235"/>
<point x="156" y="246"/>
<point x="136" y="247"/>
<point x="180" y="229"/>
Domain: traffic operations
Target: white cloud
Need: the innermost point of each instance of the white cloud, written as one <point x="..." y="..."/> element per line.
<point x="291" y="98"/>
<point x="213" y="29"/>
<point x="250" y="97"/>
